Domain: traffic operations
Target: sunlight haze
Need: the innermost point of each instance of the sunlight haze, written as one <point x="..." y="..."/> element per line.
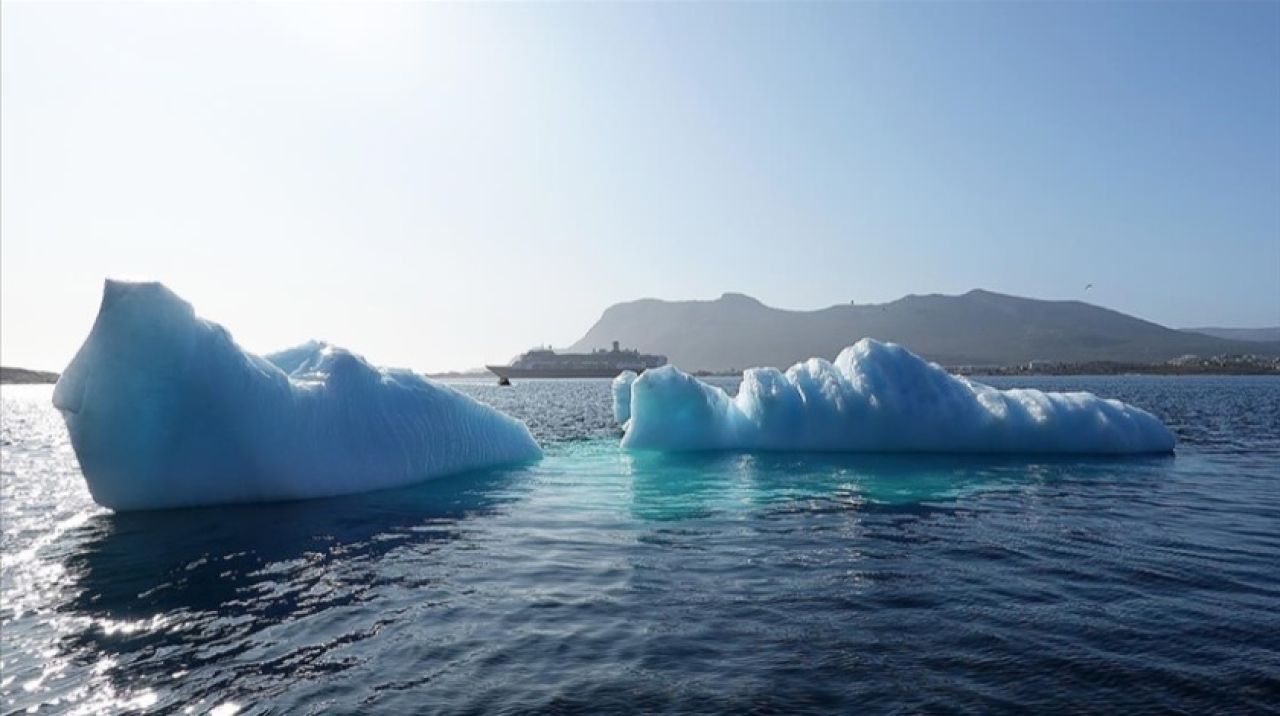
<point x="444" y="186"/>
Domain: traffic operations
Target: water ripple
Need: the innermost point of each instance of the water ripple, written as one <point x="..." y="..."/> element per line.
<point x="597" y="581"/>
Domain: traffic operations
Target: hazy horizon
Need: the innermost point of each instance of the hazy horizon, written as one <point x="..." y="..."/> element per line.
<point x="443" y="186"/>
<point x="562" y="345"/>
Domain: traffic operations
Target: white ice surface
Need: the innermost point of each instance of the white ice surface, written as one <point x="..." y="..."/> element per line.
<point x="879" y="397"/>
<point x="622" y="396"/>
<point x="165" y="410"/>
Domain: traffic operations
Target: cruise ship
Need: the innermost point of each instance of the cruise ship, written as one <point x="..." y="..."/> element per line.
<point x="546" y="363"/>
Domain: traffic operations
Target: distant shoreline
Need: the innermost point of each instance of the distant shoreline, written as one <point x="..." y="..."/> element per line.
<point x="1117" y="370"/>
<point x="1011" y="371"/>
<point x="23" y="376"/>
<point x="454" y="374"/>
<point x="1082" y="369"/>
<point x="1220" y="365"/>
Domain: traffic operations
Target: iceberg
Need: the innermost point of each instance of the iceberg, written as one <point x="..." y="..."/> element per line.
<point x="165" y="410"/>
<point x="878" y="397"/>
<point x="622" y="396"/>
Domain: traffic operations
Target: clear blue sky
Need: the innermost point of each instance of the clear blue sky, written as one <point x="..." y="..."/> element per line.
<point x="442" y="186"/>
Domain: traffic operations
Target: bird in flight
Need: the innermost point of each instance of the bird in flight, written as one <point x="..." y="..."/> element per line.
<point x="1088" y="286"/>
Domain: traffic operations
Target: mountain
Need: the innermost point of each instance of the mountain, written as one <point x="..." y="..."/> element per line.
<point x="979" y="328"/>
<point x="1257" y="335"/>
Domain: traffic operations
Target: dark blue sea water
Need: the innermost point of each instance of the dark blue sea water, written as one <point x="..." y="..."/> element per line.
<point x="596" y="581"/>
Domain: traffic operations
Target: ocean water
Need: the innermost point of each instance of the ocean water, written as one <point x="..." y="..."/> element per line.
<point x="597" y="581"/>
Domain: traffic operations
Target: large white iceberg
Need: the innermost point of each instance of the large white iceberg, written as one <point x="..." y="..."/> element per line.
<point x="165" y="410"/>
<point x="879" y="397"/>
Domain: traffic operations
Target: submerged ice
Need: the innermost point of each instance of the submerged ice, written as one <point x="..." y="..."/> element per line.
<point x="165" y="410"/>
<point x="878" y="397"/>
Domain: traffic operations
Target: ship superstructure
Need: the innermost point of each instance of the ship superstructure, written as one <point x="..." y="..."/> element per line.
<point x="601" y="363"/>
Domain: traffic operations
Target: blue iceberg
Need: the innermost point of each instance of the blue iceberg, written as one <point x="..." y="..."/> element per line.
<point x="878" y="397"/>
<point x="165" y="410"/>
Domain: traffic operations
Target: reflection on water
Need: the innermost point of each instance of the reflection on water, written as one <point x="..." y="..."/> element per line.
<point x="151" y="611"/>
<point x="175" y="591"/>
<point x="600" y="581"/>
<point x="201" y="559"/>
<point x="676" y="486"/>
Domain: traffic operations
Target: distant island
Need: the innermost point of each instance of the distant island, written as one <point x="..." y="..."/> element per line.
<point x="23" y="376"/>
<point x="979" y="331"/>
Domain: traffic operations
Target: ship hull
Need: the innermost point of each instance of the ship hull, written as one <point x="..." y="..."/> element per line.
<point x="506" y="371"/>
